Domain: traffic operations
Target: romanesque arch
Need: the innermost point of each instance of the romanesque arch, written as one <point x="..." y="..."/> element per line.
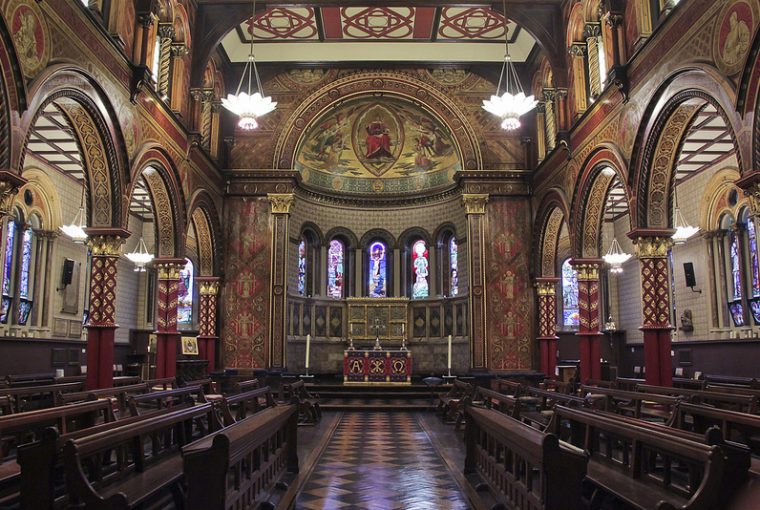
<point x="205" y="222"/>
<point x="552" y="215"/>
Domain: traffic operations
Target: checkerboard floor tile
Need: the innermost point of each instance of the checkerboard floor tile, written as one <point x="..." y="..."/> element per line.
<point x="380" y="461"/>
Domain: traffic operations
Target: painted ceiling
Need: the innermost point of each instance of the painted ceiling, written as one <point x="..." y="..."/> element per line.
<point x="375" y="145"/>
<point x="345" y="34"/>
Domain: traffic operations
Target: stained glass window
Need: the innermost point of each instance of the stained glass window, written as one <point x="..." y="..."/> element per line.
<point x="453" y="267"/>
<point x="420" y="264"/>
<point x="185" y="295"/>
<point x="736" y="279"/>
<point x="570" y="310"/>
<point x="335" y="269"/>
<point x="378" y="274"/>
<point x="737" y="313"/>
<point x="754" y="265"/>
<point x="10" y="241"/>
<point x="302" y="267"/>
<point x="26" y="262"/>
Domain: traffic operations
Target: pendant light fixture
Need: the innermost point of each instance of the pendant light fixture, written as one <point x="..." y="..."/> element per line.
<point x="249" y="105"/>
<point x="141" y="256"/>
<point x="683" y="230"/>
<point x="513" y="103"/>
<point x="616" y="257"/>
<point x="75" y="230"/>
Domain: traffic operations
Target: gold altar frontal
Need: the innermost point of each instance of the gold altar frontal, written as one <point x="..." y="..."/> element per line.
<point x="377" y="367"/>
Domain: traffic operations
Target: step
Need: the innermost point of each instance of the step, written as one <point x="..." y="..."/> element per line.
<point x="370" y="394"/>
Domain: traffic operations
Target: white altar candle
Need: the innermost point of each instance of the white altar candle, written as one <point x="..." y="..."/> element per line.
<point x="449" y="366"/>
<point x="402" y="329"/>
<point x="308" y="343"/>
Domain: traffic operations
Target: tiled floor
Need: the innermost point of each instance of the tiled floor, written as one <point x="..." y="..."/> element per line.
<point x="380" y="461"/>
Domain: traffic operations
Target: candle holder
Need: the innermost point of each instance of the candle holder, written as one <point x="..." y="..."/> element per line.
<point x="403" y="344"/>
<point x="377" y="326"/>
<point x="351" y="344"/>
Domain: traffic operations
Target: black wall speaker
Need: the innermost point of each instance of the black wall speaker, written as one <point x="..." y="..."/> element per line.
<point x="68" y="271"/>
<point x="688" y="271"/>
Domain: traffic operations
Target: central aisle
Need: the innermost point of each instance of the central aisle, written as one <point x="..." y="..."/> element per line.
<point x="380" y="461"/>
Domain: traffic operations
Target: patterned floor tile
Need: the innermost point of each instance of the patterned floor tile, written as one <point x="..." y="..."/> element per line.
<point x="380" y="461"/>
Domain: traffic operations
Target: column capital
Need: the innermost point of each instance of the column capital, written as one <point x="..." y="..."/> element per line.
<point x="178" y="50"/>
<point x="10" y="183"/>
<point x="592" y="30"/>
<point x="281" y="202"/>
<point x="750" y="183"/>
<point x="106" y="242"/>
<point x="652" y="243"/>
<point x="168" y="267"/>
<point x="474" y="203"/>
<point x="577" y="49"/>
<point x="208" y="285"/>
<point x="587" y="268"/>
<point x="546" y="286"/>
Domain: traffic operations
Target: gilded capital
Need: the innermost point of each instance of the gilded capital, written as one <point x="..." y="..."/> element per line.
<point x="105" y="245"/>
<point x="587" y="271"/>
<point x="280" y="202"/>
<point x="474" y="203"/>
<point x="545" y="288"/>
<point x="653" y="247"/>
<point x="209" y="288"/>
<point x="168" y="270"/>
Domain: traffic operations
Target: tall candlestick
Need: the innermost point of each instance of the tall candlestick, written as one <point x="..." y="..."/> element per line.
<point x="308" y="344"/>
<point x="449" y="365"/>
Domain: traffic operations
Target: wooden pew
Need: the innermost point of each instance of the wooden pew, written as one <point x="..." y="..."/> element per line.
<point x="601" y="383"/>
<point x="165" y="383"/>
<point x="126" y="380"/>
<point x="243" y="386"/>
<point x="250" y="464"/>
<point x="70" y="378"/>
<point x="119" y="393"/>
<point x="692" y="384"/>
<point x="26" y="398"/>
<point x="237" y="407"/>
<point x="739" y="427"/>
<point x="729" y="380"/>
<point x="628" y="383"/>
<point x="637" y="404"/>
<point x="21" y="428"/>
<point x="734" y="402"/>
<point x="6" y="405"/>
<point x="644" y="468"/>
<point x="164" y="399"/>
<point x="209" y="386"/>
<point x="523" y="467"/>
<point x="738" y="456"/>
<point x="41" y="461"/>
<point x="565" y="387"/>
<point x="449" y="403"/>
<point x="508" y="387"/>
<point x="506" y="404"/>
<point x="134" y="464"/>
<point x="16" y="380"/>
<point x="542" y="413"/>
<point x="308" y="405"/>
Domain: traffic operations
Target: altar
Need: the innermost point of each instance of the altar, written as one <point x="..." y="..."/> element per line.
<point x="377" y="367"/>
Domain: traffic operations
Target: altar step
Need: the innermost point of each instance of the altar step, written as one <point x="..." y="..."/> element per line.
<point x="412" y="397"/>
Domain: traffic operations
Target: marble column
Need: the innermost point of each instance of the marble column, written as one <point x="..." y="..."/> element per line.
<point x="280" y="203"/>
<point x="588" y="306"/>
<point x="652" y="250"/>
<point x="207" y="337"/>
<point x="105" y="248"/>
<point x="167" y="335"/>
<point x="475" y="210"/>
<point x="547" y="324"/>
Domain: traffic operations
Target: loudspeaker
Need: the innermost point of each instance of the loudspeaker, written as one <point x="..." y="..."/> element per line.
<point x="688" y="271"/>
<point x="67" y="272"/>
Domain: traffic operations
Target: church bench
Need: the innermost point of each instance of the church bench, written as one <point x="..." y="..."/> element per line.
<point x="21" y="428"/>
<point x="740" y="427"/>
<point x="521" y="466"/>
<point x="507" y="387"/>
<point x="236" y="407"/>
<point x="693" y="384"/>
<point x="540" y="416"/>
<point x="126" y="380"/>
<point x="600" y="383"/>
<point x="729" y="380"/>
<point x="243" y="386"/>
<point x="250" y="464"/>
<point x="164" y="399"/>
<point x="628" y="383"/>
<point x="120" y="393"/>
<point x="208" y="385"/>
<point x="735" y="402"/>
<point x="15" y="380"/>
<point x="41" y="461"/>
<point x="449" y="403"/>
<point x="70" y="379"/>
<point x="164" y="383"/>
<point x="734" y="390"/>
<point x="506" y="404"/>
<point x="134" y="464"/>
<point x="565" y="387"/>
<point x="308" y="404"/>
<point x="26" y="398"/>
<point x="6" y="405"/>
<point x="644" y="468"/>
<point x="638" y="404"/>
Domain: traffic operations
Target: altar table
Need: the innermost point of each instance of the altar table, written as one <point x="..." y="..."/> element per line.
<point x="377" y="367"/>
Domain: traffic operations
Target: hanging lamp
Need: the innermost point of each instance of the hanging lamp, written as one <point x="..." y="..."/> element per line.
<point x="683" y="230"/>
<point x="513" y="103"/>
<point x="249" y="105"/>
<point x="616" y="257"/>
<point x="141" y="256"/>
<point x="75" y="230"/>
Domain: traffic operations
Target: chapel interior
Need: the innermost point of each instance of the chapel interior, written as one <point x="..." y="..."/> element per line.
<point x="380" y="255"/>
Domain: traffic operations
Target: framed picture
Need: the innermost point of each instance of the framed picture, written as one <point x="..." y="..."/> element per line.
<point x="189" y="346"/>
